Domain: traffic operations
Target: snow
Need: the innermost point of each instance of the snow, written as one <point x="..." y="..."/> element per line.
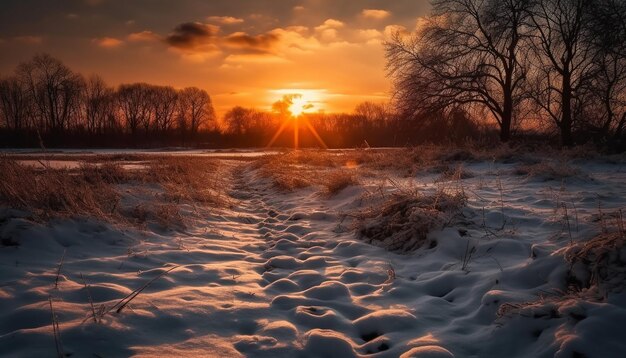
<point x="281" y="274"/>
<point x="154" y="152"/>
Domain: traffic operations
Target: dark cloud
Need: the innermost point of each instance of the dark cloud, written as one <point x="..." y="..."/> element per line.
<point x="191" y="35"/>
<point x="262" y="43"/>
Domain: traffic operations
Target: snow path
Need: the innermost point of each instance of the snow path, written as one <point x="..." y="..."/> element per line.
<point x="279" y="275"/>
<point x="267" y="278"/>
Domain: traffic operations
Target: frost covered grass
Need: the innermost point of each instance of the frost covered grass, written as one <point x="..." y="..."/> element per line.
<point x="549" y="170"/>
<point x="336" y="181"/>
<point x="402" y="220"/>
<point x="599" y="264"/>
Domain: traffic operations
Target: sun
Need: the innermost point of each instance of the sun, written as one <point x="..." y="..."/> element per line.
<point x="299" y="101"/>
<point x="299" y="105"/>
<point x="291" y="107"/>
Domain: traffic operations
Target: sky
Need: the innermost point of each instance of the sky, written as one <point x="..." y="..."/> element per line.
<point x="243" y="52"/>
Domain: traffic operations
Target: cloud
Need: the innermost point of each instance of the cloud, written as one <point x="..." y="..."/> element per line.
<point x="295" y="39"/>
<point x="107" y="42"/>
<point x="328" y="31"/>
<point x="331" y="24"/>
<point x="29" y="39"/>
<point x="375" y="14"/>
<point x="143" y="36"/>
<point x="238" y="60"/>
<point x="198" y="42"/>
<point x="225" y="20"/>
<point x="193" y="36"/>
<point x="391" y="30"/>
<point x="369" y="35"/>
<point x="262" y="43"/>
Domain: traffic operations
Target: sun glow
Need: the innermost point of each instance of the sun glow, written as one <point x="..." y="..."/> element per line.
<point x="291" y="107"/>
<point x="302" y="100"/>
<point x="299" y="105"/>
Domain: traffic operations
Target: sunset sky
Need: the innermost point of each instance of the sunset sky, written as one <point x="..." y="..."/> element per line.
<point x="246" y="52"/>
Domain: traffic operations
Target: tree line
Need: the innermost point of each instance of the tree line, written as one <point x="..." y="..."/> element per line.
<point x="556" y="66"/>
<point x="45" y="102"/>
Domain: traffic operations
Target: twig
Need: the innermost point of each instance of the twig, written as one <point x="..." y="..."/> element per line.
<point x="56" y="331"/>
<point x="501" y="190"/>
<point x="56" y="280"/>
<point x="569" y="228"/>
<point x="119" y="306"/>
<point x="467" y="257"/>
<point x="93" y="309"/>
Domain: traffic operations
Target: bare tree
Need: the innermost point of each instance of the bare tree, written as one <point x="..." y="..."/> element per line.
<point x="54" y="89"/>
<point x="133" y="100"/>
<point x="237" y="120"/>
<point x="14" y="103"/>
<point x="468" y="52"/>
<point x="196" y="108"/>
<point x="164" y="102"/>
<point x="98" y="104"/>
<point x="564" y="60"/>
<point x="374" y="114"/>
<point x="607" y="87"/>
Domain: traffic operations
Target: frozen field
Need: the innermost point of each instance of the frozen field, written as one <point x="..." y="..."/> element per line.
<point x="327" y="255"/>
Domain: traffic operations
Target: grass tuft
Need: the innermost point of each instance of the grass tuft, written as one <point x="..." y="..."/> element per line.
<point x="337" y="180"/>
<point x="403" y="222"/>
<point x="547" y="171"/>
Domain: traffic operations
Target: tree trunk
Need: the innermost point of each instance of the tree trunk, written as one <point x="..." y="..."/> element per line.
<point x="507" y="119"/>
<point x="567" y="140"/>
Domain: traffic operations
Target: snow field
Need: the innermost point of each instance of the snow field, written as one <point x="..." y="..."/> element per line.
<point x="283" y="274"/>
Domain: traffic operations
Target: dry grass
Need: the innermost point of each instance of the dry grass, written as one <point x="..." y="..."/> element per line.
<point x="301" y="169"/>
<point x="57" y="191"/>
<point x="455" y="173"/>
<point x="404" y="162"/>
<point x="93" y="190"/>
<point x="404" y="220"/>
<point x="598" y="264"/>
<point x="548" y="305"/>
<point x="548" y="170"/>
<point x="338" y="180"/>
<point x="195" y="179"/>
<point x="314" y="158"/>
<point x="596" y="269"/>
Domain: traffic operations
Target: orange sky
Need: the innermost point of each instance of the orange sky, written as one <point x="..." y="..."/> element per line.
<point x="243" y="52"/>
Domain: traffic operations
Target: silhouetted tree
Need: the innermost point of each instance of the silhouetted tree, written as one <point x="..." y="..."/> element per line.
<point x="14" y="103"/>
<point x="564" y="55"/>
<point x="196" y="108"/>
<point x="98" y="102"/>
<point x="469" y="53"/>
<point x="236" y="120"/>
<point x="133" y="100"/>
<point x="54" y="89"/>
<point x="607" y="86"/>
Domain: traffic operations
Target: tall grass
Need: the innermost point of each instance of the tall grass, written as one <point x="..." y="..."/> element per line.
<point x="51" y="191"/>
<point x="96" y="190"/>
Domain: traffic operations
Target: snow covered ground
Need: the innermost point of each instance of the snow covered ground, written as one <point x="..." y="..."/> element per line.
<point x="283" y="273"/>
